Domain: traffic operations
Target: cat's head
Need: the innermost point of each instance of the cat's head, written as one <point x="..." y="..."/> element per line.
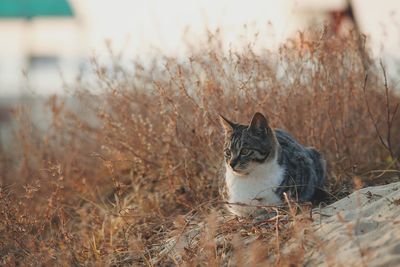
<point x="247" y="146"/>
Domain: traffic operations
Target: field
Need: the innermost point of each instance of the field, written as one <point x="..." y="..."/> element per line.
<point x="140" y="164"/>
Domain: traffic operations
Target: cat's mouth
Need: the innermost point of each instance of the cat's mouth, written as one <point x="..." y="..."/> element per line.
<point x="240" y="171"/>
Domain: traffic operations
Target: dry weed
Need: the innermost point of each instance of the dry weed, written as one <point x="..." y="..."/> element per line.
<point x="140" y="164"/>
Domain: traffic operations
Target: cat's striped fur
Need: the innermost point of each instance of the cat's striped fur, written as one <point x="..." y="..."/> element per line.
<point x="262" y="163"/>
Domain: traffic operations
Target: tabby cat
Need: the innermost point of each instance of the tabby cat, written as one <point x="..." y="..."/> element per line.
<point x="263" y="163"/>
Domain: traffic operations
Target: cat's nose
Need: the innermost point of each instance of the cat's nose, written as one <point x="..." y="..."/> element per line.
<point x="233" y="163"/>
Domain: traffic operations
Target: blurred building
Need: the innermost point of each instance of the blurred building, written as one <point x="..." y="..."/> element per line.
<point x="41" y="43"/>
<point x="39" y="39"/>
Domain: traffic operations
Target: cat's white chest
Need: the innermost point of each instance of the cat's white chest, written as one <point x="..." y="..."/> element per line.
<point x="256" y="188"/>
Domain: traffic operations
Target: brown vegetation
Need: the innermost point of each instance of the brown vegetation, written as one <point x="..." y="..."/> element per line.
<point x="141" y="162"/>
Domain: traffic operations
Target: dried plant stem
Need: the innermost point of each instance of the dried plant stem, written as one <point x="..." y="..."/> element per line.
<point x="390" y="116"/>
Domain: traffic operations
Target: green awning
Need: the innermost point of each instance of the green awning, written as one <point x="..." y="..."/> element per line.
<point x="35" y="8"/>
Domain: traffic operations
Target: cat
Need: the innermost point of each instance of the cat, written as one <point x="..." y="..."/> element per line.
<point x="262" y="163"/>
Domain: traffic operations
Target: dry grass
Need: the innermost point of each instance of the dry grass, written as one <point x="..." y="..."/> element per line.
<point x="141" y="163"/>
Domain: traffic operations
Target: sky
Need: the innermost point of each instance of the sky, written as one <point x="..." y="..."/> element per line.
<point x="165" y="25"/>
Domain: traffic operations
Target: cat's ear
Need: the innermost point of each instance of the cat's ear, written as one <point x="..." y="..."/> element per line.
<point x="258" y="123"/>
<point x="227" y="124"/>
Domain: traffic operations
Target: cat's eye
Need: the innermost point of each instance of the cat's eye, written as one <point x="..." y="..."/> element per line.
<point x="245" y="151"/>
<point x="227" y="153"/>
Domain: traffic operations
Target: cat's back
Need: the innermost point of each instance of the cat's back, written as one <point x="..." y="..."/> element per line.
<point x="287" y="141"/>
<point x="290" y="145"/>
<point x="296" y="156"/>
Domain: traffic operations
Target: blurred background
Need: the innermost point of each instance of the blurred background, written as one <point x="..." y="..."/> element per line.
<point x="48" y="44"/>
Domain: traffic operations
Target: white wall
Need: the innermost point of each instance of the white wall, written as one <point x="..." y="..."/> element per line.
<point x="20" y="39"/>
